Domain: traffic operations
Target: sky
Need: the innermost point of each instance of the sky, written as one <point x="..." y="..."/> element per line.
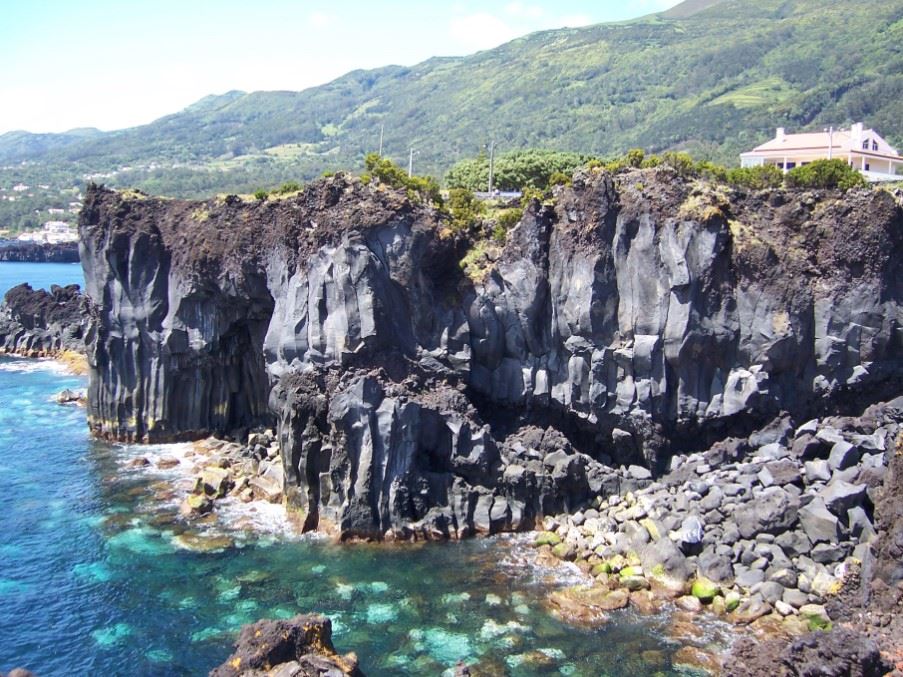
<point x="118" y="63"/>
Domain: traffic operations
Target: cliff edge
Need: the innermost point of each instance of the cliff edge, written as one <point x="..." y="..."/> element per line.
<point x="640" y="316"/>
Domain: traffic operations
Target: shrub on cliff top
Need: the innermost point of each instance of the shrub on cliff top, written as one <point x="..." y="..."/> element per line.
<point x="464" y="207"/>
<point x="757" y="178"/>
<point x="635" y="157"/>
<point x="515" y="170"/>
<point x="286" y="188"/>
<point x="424" y="188"/>
<point x="825" y="174"/>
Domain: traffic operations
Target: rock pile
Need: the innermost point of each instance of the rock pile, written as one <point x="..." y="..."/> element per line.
<point x="248" y="472"/>
<point x="298" y="647"/>
<point x="762" y="530"/>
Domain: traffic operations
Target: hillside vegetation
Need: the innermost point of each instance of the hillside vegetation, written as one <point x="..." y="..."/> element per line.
<point x="710" y="77"/>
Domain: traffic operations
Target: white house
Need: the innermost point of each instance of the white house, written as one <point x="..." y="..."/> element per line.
<point x="863" y="149"/>
<point x="53" y="232"/>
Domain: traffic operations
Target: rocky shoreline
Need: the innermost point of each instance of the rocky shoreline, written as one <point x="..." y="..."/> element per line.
<point x="41" y="323"/>
<point x="778" y="534"/>
<point x="678" y="384"/>
<point x="775" y="532"/>
<point x="31" y="252"/>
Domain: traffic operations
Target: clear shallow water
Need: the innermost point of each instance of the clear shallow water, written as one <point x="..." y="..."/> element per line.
<point x="95" y="577"/>
<point x="39" y="275"/>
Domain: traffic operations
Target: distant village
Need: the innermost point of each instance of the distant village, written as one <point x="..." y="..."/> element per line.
<point x="58" y="228"/>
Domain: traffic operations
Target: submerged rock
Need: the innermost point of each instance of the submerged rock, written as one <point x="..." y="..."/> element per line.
<point x="300" y="646"/>
<point x="587" y="606"/>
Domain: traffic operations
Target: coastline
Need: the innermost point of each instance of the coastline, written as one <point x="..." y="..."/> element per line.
<point x="707" y="632"/>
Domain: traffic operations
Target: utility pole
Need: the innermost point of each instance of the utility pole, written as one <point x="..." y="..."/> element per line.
<point x="491" y="159"/>
<point x="411" y="163"/>
<point x="381" y="130"/>
<point x="830" y="142"/>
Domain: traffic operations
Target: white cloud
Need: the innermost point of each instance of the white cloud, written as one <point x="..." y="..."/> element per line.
<point x="480" y="31"/>
<point x="519" y="9"/>
<point x="320" y="19"/>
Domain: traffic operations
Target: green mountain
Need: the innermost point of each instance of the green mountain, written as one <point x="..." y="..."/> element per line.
<point x="710" y="76"/>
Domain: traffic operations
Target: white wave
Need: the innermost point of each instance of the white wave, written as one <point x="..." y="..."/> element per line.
<point x="30" y="365"/>
<point x="234" y="517"/>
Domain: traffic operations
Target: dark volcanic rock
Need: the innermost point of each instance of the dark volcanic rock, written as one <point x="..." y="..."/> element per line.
<point x="35" y="322"/>
<point x="300" y="647"/>
<point x="32" y="252"/>
<point x="630" y="320"/>
<point x="773" y="510"/>
<point x="839" y="653"/>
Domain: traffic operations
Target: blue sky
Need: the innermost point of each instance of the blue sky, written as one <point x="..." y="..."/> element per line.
<point x="113" y="64"/>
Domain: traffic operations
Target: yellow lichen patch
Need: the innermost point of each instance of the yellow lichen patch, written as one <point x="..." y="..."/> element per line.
<point x="132" y="194"/>
<point x="705" y="204"/>
<point x="235" y="662"/>
<point x="743" y="235"/>
<point x="780" y="322"/>
<point x="477" y="263"/>
<point x="75" y="363"/>
<point x="200" y="214"/>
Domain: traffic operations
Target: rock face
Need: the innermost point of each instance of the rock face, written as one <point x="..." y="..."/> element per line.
<point x="640" y="316"/>
<point x="298" y="647"/>
<point x="32" y="252"/>
<point x="840" y="652"/>
<point x="37" y="323"/>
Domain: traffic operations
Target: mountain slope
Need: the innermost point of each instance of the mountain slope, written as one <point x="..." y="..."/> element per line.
<point x="689" y="8"/>
<point x="716" y="80"/>
<point x="22" y="145"/>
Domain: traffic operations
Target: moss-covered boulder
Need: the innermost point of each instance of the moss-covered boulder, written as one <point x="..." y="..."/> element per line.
<point x="603" y="568"/>
<point x="565" y="551"/>
<point x="704" y="590"/>
<point x="816" y="616"/>
<point x="617" y="563"/>
<point x="631" y="571"/>
<point x="547" y="538"/>
<point x="634" y="583"/>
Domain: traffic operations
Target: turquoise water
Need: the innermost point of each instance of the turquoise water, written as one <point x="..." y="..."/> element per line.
<point x="95" y="577"/>
<point x="39" y="275"/>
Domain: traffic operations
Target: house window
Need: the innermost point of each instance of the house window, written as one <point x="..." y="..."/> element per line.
<point x="867" y="166"/>
<point x="865" y="145"/>
<point x="874" y="145"/>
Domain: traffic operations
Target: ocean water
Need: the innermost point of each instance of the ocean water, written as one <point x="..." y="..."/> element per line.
<point x="39" y="275"/>
<point x="100" y="575"/>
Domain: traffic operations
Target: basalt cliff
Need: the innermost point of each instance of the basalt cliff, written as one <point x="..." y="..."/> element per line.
<point x="33" y="252"/>
<point x="640" y="316"/>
